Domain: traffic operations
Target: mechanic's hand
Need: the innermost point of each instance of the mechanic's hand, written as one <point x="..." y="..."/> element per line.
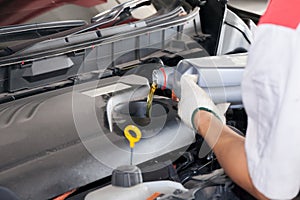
<point x="194" y="98"/>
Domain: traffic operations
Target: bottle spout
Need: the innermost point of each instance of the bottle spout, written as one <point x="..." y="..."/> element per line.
<point x="163" y="77"/>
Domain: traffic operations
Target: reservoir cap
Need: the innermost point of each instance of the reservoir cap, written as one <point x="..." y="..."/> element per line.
<point x="126" y="176"/>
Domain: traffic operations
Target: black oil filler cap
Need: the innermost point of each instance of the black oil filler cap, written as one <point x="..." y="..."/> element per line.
<point x="126" y="176"/>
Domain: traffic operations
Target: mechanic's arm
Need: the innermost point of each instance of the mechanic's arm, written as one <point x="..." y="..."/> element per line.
<point x="229" y="147"/>
<point x="197" y="110"/>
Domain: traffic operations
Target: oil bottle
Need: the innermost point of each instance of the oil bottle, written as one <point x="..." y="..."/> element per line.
<point x="219" y="76"/>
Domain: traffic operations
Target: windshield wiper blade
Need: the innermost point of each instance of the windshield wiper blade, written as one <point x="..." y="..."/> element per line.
<point x="9" y="50"/>
<point x="41" y="26"/>
<point x="29" y="33"/>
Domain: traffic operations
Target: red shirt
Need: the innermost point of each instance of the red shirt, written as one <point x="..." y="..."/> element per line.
<point x="282" y="12"/>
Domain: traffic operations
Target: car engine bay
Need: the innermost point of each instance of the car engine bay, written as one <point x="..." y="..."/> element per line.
<point x="66" y="99"/>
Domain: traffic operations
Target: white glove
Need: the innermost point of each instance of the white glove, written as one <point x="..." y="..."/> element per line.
<point x="194" y="98"/>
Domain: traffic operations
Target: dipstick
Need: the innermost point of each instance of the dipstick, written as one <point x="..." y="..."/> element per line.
<point x="132" y="138"/>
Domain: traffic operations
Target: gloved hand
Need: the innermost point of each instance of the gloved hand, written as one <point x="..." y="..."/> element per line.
<point x="194" y="98"/>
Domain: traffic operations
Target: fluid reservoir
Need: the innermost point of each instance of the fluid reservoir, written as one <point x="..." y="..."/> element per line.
<point x="127" y="184"/>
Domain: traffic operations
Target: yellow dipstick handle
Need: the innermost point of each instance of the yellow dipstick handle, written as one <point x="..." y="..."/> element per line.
<point x="132" y="139"/>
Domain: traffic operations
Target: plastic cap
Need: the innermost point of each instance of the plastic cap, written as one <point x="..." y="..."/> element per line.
<point x="126" y="176"/>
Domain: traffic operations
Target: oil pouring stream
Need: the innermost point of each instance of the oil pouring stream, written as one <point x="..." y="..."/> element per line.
<point x="150" y="99"/>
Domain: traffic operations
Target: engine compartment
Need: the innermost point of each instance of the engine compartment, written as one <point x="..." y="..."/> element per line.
<point x="62" y="128"/>
<point x="65" y="102"/>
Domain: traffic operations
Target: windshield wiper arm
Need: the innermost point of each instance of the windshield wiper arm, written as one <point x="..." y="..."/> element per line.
<point x="120" y="11"/>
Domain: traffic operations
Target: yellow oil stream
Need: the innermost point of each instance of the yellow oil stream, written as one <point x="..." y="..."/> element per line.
<point x="150" y="99"/>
